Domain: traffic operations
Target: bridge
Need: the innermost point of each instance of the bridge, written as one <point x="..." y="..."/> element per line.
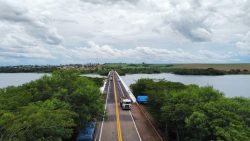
<point x="123" y="125"/>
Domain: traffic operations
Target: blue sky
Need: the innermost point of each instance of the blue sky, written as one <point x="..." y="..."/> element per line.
<point x="128" y="31"/>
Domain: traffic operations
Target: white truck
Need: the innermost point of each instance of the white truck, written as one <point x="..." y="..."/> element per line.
<point x="125" y="103"/>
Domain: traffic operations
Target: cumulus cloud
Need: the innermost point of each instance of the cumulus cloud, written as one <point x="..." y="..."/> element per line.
<point x="110" y="1"/>
<point x="246" y="12"/>
<point x="22" y="46"/>
<point x="124" y="30"/>
<point x="189" y="19"/>
<point x="9" y="13"/>
<point x="106" y="53"/>
<point x="244" y="44"/>
<point x="20" y="16"/>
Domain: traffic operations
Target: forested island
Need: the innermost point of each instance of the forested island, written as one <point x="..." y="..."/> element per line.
<point x="123" y="68"/>
<point x="53" y="108"/>
<point x="193" y="113"/>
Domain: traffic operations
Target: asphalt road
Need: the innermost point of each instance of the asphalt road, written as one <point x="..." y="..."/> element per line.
<point x="119" y="125"/>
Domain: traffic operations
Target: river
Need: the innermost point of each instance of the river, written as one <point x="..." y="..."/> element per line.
<point x="16" y="79"/>
<point x="230" y="85"/>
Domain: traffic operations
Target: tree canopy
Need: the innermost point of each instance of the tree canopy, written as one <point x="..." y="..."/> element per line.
<point x="192" y="113"/>
<point x="51" y="108"/>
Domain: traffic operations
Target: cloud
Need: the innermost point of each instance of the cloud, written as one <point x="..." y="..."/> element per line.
<point x="189" y="19"/>
<point x="20" y="16"/>
<point x="10" y="13"/>
<point x="22" y="46"/>
<point x="124" y="30"/>
<point x="246" y="12"/>
<point x="110" y="1"/>
<point x="192" y="30"/>
<point x="244" y="44"/>
<point x="106" y="53"/>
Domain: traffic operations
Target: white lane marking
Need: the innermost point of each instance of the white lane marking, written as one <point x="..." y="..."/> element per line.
<point x="100" y="136"/>
<point x="135" y="126"/>
<point x="132" y="117"/>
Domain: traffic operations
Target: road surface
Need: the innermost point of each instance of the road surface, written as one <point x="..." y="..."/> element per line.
<point x="122" y="125"/>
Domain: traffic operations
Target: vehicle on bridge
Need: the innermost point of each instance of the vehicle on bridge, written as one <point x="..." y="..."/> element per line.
<point x="142" y="99"/>
<point x="125" y="103"/>
<point x="87" y="133"/>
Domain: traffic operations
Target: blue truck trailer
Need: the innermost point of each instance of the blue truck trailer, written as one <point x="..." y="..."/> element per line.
<point x="142" y="99"/>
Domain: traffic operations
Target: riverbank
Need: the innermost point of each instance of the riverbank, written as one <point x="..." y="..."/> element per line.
<point x="210" y="69"/>
<point x="230" y="85"/>
<point x="122" y="69"/>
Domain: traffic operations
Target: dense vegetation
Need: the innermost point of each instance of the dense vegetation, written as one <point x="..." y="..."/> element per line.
<point x="52" y="108"/>
<point x="192" y="113"/>
<point x="122" y="68"/>
<point x="208" y="71"/>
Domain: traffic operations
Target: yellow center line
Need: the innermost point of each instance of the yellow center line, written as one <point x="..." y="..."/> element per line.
<point x="118" y="124"/>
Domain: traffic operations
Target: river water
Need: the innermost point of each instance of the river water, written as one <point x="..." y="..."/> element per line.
<point x="16" y="79"/>
<point x="230" y="85"/>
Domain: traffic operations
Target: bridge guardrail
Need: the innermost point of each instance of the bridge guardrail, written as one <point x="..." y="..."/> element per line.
<point x="131" y="95"/>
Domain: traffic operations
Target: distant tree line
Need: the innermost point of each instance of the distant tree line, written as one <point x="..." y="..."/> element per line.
<point x="53" y="108"/>
<point x="16" y="69"/>
<point x="48" y="68"/>
<point x="208" y="71"/>
<point x="122" y="69"/>
<point x="192" y="113"/>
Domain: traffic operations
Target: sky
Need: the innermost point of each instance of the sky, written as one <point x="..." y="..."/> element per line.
<point x="128" y="31"/>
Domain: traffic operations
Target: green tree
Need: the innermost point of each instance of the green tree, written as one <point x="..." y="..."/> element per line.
<point x="192" y="113"/>
<point x="49" y="120"/>
<point x="50" y="108"/>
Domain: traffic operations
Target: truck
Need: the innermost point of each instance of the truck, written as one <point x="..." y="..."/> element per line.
<point x="125" y="103"/>
<point x="142" y="99"/>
